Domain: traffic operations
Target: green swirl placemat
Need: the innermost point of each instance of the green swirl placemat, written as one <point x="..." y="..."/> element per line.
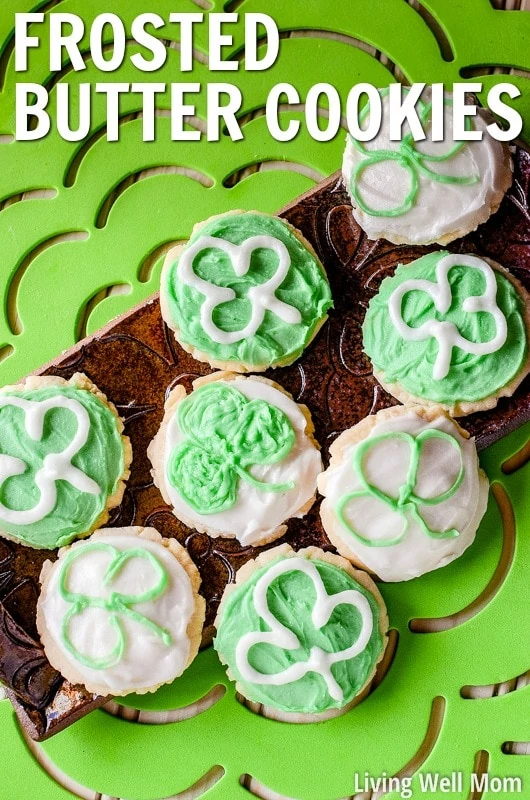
<point x="84" y="227"/>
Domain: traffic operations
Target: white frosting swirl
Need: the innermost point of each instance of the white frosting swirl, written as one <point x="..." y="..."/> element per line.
<point x="446" y="333"/>
<point x="262" y="297"/>
<point x="55" y="467"/>
<point x="279" y="635"/>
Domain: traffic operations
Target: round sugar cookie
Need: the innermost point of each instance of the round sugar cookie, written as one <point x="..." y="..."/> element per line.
<point x="120" y="612"/>
<point x="426" y="191"/>
<point x="63" y="460"/>
<point x="449" y="329"/>
<point x="404" y="493"/>
<point x="236" y="457"/>
<point x="247" y="292"/>
<point x="301" y="634"/>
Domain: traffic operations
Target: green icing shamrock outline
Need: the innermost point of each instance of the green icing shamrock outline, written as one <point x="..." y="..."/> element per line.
<point x="225" y="435"/>
<point x="410" y="159"/>
<point x="116" y="604"/>
<point x="407" y="501"/>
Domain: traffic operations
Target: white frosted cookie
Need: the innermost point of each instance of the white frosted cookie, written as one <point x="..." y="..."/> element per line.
<point x="424" y="192"/>
<point x="120" y="612"/>
<point x="404" y="493"/>
<point x="301" y="633"/>
<point x="236" y="457"/>
<point x="247" y="292"/>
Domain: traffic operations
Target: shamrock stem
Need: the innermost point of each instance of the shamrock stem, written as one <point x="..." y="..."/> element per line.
<point x="263" y="485"/>
<point x="162" y="633"/>
<point x="452" y="533"/>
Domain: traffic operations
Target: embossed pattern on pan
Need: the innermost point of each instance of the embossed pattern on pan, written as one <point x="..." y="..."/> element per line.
<point x="333" y="378"/>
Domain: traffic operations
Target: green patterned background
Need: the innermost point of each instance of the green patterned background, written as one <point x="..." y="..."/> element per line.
<point x="84" y="227"/>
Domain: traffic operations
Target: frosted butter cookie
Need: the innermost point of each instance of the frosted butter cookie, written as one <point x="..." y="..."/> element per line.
<point x="404" y="492"/>
<point x="236" y="457"/>
<point x="426" y="191"/>
<point x="247" y="292"/>
<point x="301" y="633"/>
<point x="63" y="460"/>
<point x="449" y="329"/>
<point x="120" y="612"/>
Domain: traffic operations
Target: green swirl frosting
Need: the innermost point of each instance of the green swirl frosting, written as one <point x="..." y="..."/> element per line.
<point x="226" y="434"/>
<point x="409" y="363"/>
<point x="116" y="604"/>
<point x="305" y="289"/>
<point x="101" y="459"/>
<point x="291" y="599"/>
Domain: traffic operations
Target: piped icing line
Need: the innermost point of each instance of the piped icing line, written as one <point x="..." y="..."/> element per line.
<point x="55" y="467"/>
<point x="319" y="660"/>
<point x="262" y="297"/>
<point x="116" y="604"/>
<point x="410" y="159"/>
<point x="407" y="502"/>
<point x="446" y="333"/>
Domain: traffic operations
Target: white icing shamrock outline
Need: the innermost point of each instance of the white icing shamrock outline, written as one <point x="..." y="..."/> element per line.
<point x="280" y="636"/>
<point x="446" y="333"/>
<point x="55" y="466"/>
<point x="262" y="297"/>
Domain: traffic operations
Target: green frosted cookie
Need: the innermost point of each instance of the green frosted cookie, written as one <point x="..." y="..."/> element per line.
<point x="449" y="329"/>
<point x="63" y="460"/>
<point x="301" y="633"/>
<point x="246" y="292"/>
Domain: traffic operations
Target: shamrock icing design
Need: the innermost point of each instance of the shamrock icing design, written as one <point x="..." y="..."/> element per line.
<point x="116" y="604"/>
<point x="410" y="159"/>
<point x="446" y="332"/>
<point x="55" y="466"/>
<point x="407" y="502"/>
<point x="225" y="435"/>
<point x="261" y="297"/>
<point x="279" y="635"/>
